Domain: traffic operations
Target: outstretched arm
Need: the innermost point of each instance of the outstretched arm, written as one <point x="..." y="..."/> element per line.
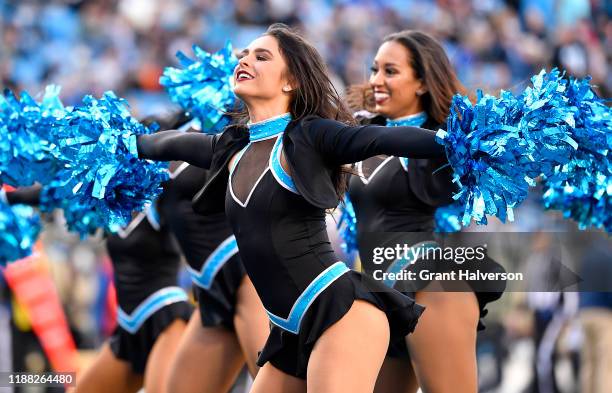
<point x="194" y="148"/>
<point x="340" y="144"/>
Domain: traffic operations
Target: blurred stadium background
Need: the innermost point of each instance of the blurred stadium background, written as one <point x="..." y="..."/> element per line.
<point x="88" y="47"/>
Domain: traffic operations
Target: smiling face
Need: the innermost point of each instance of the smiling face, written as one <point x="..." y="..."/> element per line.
<point x="394" y="82"/>
<point x="261" y="73"/>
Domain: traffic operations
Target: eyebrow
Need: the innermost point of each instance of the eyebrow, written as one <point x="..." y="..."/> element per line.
<point x="245" y="51"/>
<point x="389" y="63"/>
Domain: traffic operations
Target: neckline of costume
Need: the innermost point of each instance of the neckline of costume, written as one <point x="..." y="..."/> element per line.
<point x="416" y="120"/>
<point x="268" y="128"/>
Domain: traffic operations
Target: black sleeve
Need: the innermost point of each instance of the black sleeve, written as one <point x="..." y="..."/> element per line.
<point x="339" y="143"/>
<point x="24" y="196"/>
<point x="432" y="181"/>
<point x="167" y="121"/>
<point x="194" y="148"/>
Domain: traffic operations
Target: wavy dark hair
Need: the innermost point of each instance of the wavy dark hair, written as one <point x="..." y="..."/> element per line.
<point x="313" y="92"/>
<point x="430" y="64"/>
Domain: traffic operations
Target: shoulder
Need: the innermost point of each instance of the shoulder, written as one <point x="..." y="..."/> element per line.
<point x="366" y="118"/>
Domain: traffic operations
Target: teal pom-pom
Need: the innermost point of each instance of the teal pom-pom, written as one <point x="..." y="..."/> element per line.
<point x="347" y="225"/>
<point x="26" y="154"/>
<point x="19" y="229"/>
<point x="582" y="187"/>
<point x="103" y="181"/>
<point x="202" y="86"/>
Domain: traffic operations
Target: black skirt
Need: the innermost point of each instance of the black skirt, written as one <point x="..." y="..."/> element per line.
<point x="290" y="352"/>
<point x="485" y="293"/>
<point x="217" y="304"/>
<point x="135" y="348"/>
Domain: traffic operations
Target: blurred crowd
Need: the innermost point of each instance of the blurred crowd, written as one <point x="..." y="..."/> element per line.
<point x="89" y="46"/>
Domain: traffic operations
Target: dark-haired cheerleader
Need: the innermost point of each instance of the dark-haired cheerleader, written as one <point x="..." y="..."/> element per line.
<point x="412" y="84"/>
<point x="274" y="179"/>
<point x="152" y="310"/>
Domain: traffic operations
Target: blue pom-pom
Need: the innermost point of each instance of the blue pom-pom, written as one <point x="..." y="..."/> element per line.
<point x="347" y="225"/>
<point x="582" y="187"/>
<point x="498" y="146"/>
<point x="19" y="229"/>
<point x="103" y="181"/>
<point x="546" y="123"/>
<point x="203" y="86"/>
<point x="484" y="146"/>
<point x="26" y="155"/>
<point x="448" y="218"/>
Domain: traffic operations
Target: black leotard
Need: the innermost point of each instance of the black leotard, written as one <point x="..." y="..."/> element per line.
<point x="279" y="221"/>
<point x="197" y="235"/>
<point x="207" y="243"/>
<point x="390" y="194"/>
<point x="145" y="259"/>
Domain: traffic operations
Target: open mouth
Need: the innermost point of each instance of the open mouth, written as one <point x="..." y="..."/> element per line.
<point x="380" y="97"/>
<point x="243" y="76"/>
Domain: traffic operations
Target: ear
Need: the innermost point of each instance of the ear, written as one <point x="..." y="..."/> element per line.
<point x="421" y="89"/>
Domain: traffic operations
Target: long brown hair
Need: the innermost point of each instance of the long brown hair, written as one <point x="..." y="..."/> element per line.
<point x="430" y="64"/>
<point x="313" y="92"/>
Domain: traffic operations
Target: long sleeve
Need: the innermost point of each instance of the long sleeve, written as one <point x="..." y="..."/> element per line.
<point x="25" y="196"/>
<point x="431" y="181"/>
<point x="194" y="148"/>
<point x="339" y="143"/>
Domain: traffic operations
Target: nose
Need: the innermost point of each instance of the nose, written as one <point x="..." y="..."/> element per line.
<point x="376" y="79"/>
<point x="244" y="61"/>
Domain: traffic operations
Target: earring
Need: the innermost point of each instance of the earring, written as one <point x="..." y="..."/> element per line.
<point x="286" y="89"/>
<point x="420" y="93"/>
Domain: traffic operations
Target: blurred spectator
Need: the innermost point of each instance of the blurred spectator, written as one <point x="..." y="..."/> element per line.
<point x="90" y="46"/>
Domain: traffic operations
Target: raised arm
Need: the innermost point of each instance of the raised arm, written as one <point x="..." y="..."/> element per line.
<point x="192" y="147"/>
<point x="339" y="143"/>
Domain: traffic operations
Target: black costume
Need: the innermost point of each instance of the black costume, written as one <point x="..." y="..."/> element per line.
<point x="145" y="264"/>
<point x="393" y="194"/>
<point x="279" y="221"/>
<point x="207" y="244"/>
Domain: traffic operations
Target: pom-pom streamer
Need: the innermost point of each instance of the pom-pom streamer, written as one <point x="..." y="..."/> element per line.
<point x="203" y="86"/>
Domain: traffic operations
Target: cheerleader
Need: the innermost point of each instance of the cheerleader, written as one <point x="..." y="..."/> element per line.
<point x="229" y="325"/>
<point x="274" y="177"/>
<point x="412" y="84"/>
<point x="152" y="309"/>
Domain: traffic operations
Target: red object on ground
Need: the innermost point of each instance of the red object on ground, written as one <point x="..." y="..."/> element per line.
<point x="33" y="287"/>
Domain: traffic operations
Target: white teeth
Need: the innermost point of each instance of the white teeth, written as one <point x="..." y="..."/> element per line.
<point x="380" y="96"/>
<point x="242" y="75"/>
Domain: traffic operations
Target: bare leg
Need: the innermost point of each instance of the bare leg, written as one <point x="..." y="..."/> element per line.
<point x="349" y="355"/>
<point x="158" y="364"/>
<point x="108" y="375"/>
<point x="272" y="380"/>
<point x="396" y="376"/>
<point x="251" y="323"/>
<point x="207" y="360"/>
<point x="443" y="345"/>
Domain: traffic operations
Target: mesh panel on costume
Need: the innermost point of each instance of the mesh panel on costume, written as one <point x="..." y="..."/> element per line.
<point x="252" y="164"/>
